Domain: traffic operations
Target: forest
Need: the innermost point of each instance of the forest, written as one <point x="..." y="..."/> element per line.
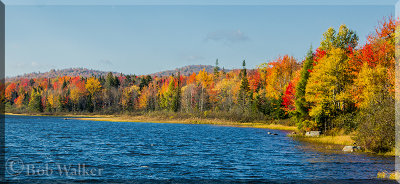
<point x="339" y="87"/>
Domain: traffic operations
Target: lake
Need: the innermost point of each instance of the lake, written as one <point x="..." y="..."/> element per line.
<point x="54" y="148"/>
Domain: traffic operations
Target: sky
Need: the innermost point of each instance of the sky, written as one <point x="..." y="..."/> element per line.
<point x="143" y="39"/>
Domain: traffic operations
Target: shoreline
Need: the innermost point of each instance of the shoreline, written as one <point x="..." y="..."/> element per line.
<point x="342" y="140"/>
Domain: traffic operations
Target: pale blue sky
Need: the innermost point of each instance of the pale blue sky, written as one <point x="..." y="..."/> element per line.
<point x="147" y="39"/>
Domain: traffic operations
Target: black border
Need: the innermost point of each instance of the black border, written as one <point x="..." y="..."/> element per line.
<point x="212" y="181"/>
<point x="2" y="87"/>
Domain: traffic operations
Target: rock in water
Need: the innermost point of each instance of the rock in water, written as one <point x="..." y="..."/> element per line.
<point x="313" y="133"/>
<point x="348" y="149"/>
<point x="352" y="148"/>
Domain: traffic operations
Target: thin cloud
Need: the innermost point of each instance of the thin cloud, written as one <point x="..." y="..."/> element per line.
<point x="194" y="58"/>
<point x="105" y="62"/>
<point x="227" y="36"/>
<point x="35" y="64"/>
<point x="20" y="65"/>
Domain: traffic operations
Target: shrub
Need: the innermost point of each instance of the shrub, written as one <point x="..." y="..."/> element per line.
<point x="376" y="127"/>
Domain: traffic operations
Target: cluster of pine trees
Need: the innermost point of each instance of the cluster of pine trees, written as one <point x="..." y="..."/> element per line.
<point x="341" y="85"/>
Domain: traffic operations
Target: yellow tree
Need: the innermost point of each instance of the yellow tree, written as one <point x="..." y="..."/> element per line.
<point x="51" y="100"/>
<point x="93" y="86"/>
<point x="224" y="90"/>
<point x="373" y="86"/>
<point x="327" y="86"/>
<point x="144" y="98"/>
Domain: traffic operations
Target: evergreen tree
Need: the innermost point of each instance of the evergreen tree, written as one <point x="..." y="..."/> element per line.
<point x="216" y="70"/>
<point x="244" y="88"/>
<point x="110" y="81"/>
<point x="116" y="82"/>
<point x="244" y="82"/>
<point x="64" y="85"/>
<point x="177" y="95"/>
<point x="31" y="82"/>
<point x="300" y="102"/>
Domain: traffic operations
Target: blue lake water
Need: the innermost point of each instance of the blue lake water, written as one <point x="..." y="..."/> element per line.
<point x="54" y="148"/>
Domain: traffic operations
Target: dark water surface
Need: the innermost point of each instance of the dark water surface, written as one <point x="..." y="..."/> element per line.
<point x="45" y="147"/>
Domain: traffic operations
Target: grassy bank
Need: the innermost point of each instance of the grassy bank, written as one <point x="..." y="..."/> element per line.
<point x="344" y="140"/>
<point x="219" y="122"/>
<point x="53" y="114"/>
<point x="389" y="175"/>
<point x="160" y="119"/>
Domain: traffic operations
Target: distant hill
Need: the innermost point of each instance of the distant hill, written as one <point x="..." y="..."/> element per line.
<point x="82" y="72"/>
<point x="186" y="70"/>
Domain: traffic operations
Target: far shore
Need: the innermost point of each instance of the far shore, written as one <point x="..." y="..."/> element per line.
<point x="146" y="119"/>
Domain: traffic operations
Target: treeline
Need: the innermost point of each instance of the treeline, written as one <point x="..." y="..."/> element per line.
<point x="186" y="70"/>
<point x="340" y="86"/>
